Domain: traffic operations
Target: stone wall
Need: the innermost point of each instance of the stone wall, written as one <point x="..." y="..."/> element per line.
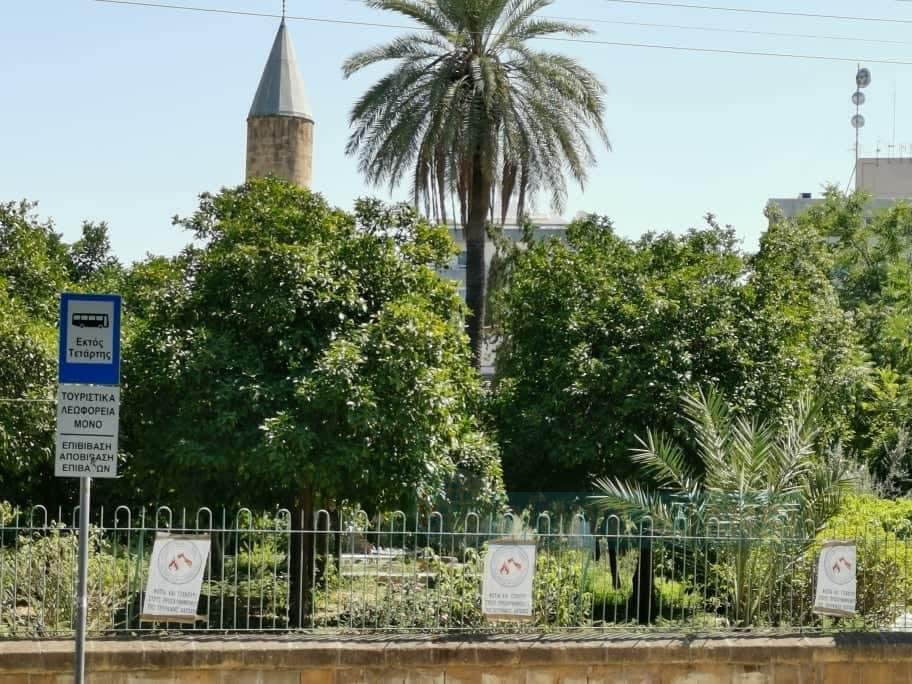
<point x="850" y="659"/>
<point x="280" y="146"/>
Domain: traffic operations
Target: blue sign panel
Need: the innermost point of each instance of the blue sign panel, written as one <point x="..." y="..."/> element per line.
<point x="89" y="339"/>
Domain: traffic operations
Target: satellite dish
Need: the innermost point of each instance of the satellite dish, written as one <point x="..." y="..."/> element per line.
<point x="863" y="78"/>
<point x="858" y="121"/>
<point x="858" y="98"/>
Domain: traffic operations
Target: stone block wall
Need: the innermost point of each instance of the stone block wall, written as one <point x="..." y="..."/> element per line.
<point x="280" y="146"/>
<point x="850" y="659"/>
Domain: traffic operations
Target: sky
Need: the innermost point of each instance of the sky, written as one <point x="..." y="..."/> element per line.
<point x="125" y="113"/>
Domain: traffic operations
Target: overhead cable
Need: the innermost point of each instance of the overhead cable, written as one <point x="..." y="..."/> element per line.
<point x="751" y="10"/>
<point x="584" y="41"/>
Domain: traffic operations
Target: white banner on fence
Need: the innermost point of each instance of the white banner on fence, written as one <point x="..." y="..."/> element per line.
<point x="836" y="579"/>
<point x="506" y="590"/>
<point x="176" y="572"/>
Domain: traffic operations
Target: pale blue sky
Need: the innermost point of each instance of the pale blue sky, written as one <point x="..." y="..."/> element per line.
<point x="125" y="114"/>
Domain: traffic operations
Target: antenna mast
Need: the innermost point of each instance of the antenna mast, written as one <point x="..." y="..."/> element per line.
<point x="862" y="81"/>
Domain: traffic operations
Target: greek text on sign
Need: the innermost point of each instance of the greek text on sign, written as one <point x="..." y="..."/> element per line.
<point x="90" y="339"/>
<point x="507" y="585"/>
<point x="87" y="426"/>
<point x="836" y="579"/>
<point x="176" y="572"/>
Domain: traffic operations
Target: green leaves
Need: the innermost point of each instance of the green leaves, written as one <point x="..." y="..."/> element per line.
<point x="35" y="267"/>
<point x="468" y="105"/>
<point x="601" y="336"/>
<point x="753" y="474"/>
<point x="604" y="338"/>
<point x="302" y="347"/>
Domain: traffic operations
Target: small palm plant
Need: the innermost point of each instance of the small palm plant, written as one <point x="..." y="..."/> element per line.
<point x="756" y="486"/>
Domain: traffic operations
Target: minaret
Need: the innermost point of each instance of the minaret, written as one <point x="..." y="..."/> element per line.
<point x="280" y="126"/>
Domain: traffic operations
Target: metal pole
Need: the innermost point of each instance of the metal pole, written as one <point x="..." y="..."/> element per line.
<point x="857" y="129"/>
<point x="82" y="602"/>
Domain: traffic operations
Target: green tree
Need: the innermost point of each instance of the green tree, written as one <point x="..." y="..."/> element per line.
<point x="798" y="335"/>
<point x="28" y="368"/>
<point x="870" y="270"/>
<point x="90" y="257"/>
<point x="302" y="357"/>
<point x="600" y="338"/>
<point x="33" y="260"/>
<point x="471" y="106"/>
<point x="33" y="271"/>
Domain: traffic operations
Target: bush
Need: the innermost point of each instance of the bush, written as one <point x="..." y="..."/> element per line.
<point x="561" y="596"/>
<point x="38" y="588"/>
<point x="430" y="594"/>
<point x="881" y="530"/>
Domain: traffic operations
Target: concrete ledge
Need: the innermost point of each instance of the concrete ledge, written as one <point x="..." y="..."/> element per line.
<point x="543" y="659"/>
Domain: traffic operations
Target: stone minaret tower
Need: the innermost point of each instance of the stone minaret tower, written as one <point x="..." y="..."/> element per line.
<point x="280" y="126"/>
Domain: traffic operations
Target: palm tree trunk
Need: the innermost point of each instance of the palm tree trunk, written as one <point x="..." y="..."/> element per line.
<point x="440" y="167"/>
<point x="641" y="605"/>
<point x="476" y="271"/>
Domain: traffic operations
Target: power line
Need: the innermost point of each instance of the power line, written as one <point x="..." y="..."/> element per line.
<point x="585" y="41"/>
<point x="745" y="10"/>
<point x="719" y="29"/>
<point x="28" y="401"/>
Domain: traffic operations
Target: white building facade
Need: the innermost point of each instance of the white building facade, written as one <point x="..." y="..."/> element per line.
<point x="887" y="180"/>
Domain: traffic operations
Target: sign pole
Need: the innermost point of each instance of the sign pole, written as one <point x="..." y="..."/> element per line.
<point x="88" y="407"/>
<point x="82" y="601"/>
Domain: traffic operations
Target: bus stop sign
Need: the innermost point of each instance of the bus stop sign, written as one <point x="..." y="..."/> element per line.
<point x="89" y="339"/>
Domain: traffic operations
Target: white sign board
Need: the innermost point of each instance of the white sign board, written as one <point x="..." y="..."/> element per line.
<point x="836" y="579"/>
<point x="88" y="418"/>
<point x="176" y="572"/>
<point x="507" y="585"/>
<point x="90" y="333"/>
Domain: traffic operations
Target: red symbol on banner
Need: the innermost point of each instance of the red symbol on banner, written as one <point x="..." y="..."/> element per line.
<point x="173" y="565"/>
<point x="842" y="562"/>
<point x="505" y="568"/>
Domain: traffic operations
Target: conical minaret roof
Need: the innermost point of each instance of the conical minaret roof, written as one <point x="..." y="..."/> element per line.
<point x="281" y="91"/>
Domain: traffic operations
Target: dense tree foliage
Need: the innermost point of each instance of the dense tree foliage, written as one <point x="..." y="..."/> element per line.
<point x="302" y="352"/>
<point x="872" y="273"/>
<point x="602" y="337"/>
<point x="35" y="267"/>
<point x="298" y="348"/>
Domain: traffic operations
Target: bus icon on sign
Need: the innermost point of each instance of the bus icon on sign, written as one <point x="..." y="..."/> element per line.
<point x="90" y="320"/>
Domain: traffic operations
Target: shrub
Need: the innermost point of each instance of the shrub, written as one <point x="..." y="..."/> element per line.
<point x="38" y="584"/>
<point x="881" y="529"/>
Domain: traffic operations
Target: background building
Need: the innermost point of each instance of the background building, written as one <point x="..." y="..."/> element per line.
<point x="886" y="179"/>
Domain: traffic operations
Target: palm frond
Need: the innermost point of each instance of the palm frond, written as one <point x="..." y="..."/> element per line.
<point x="427" y="14"/>
<point x="630" y="499"/>
<point x="471" y="90"/>
<point x="664" y="461"/>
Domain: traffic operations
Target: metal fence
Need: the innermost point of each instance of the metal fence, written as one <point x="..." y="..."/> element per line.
<point x="355" y="573"/>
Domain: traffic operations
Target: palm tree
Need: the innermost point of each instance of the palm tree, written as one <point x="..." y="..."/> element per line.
<point x="758" y="486"/>
<point x="470" y="108"/>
